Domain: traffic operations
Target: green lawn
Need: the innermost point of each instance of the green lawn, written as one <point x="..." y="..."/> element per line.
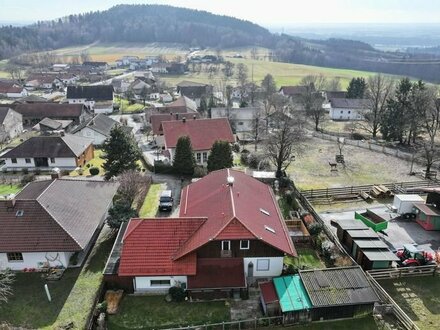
<point x="97" y="161"/>
<point x="363" y="323"/>
<point x="72" y="296"/>
<point x="148" y="312"/>
<point x="419" y="297"/>
<point x="151" y="202"/>
<point x="306" y="258"/>
<point x="7" y="189"/>
<point x="126" y="107"/>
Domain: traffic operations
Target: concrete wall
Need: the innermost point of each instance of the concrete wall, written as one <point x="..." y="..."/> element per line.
<point x="275" y="266"/>
<point x="34" y="260"/>
<point x="143" y="283"/>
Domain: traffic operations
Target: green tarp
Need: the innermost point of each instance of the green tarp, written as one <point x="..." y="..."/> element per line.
<point x="291" y="293"/>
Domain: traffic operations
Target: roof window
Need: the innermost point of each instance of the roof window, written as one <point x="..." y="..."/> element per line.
<point x="19" y="213"/>
<point x="270" y="229"/>
<point x="264" y="212"/>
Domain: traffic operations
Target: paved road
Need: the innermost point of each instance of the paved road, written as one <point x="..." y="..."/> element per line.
<point x="174" y="184"/>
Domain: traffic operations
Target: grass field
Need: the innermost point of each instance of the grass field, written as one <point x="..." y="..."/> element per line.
<point x="419" y="297"/>
<point x="363" y="323"/>
<point x="7" y="189"/>
<point x="153" y="312"/>
<point x="97" y="161"/>
<point x="151" y="202"/>
<point x="284" y="73"/>
<point x="312" y="171"/>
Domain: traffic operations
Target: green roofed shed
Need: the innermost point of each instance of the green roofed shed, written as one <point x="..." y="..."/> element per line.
<point x="292" y="294"/>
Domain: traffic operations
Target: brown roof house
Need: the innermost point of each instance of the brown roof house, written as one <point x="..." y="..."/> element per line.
<point x="34" y="112"/>
<point x="49" y="221"/>
<point x="11" y="124"/>
<point x="65" y="152"/>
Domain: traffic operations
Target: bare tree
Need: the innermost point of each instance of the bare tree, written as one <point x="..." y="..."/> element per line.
<point x="254" y="53"/>
<point x="228" y="69"/>
<point x="431" y="125"/>
<point x="334" y="84"/>
<point x="379" y="89"/>
<point x="132" y="185"/>
<point x="284" y="142"/>
<point x="242" y="77"/>
<point x="15" y="72"/>
<point x="257" y="126"/>
<point x="85" y="56"/>
<point x="312" y="98"/>
<point x="6" y="280"/>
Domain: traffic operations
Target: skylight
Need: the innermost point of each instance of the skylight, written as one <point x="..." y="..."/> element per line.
<point x="264" y="212"/>
<point x="19" y="213"/>
<point x="270" y="229"/>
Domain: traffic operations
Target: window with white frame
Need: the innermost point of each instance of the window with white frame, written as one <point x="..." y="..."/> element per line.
<point x="160" y="282"/>
<point x="226" y="245"/>
<point x="15" y="256"/>
<point x="263" y="264"/>
<point x="244" y="244"/>
<point x="198" y="157"/>
<point x="205" y="157"/>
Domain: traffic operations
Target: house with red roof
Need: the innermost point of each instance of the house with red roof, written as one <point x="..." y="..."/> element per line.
<point x="202" y="132"/>
<point x="229" y="233"/>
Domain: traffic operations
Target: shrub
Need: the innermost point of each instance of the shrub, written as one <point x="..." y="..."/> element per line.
<point x="244" y="158"/>
<point x="74" y="259"/>
<point x="26" y="179"/>
<point x="37" y="171"/>
<point x="80" y="171"/>
<point x="236" y="147"/>
<point x="94" y="171"/>
<point x="161" y="167"/>
<point x="65" y="172"/>
<point x="24" y="170"/>
<point x="137" y="118"/>
<point x="102" y="307"/>
<point x="200" y="171"/>
<point x="177" y="293"/>
<point x="357" y="136"/>
<point x="88" y="165"/>
<point x="315" y="229"/>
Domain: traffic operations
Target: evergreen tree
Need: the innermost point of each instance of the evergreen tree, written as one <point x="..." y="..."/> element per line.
<point x="121" y="153"/>
<point x="119" y="213"/>
<point x="203" y="108"/>
<point x="356" y="88"/>
<point x="184" y="161"/>
<point x="220" y="156"/>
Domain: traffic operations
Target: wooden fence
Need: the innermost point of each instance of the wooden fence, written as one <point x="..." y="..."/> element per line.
<point x="382" y="274"/>
<point x="396" y="187"/>
<point x="255" y="323"/>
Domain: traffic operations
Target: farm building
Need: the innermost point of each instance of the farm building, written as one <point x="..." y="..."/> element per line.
<point x="428" y="215"/>
<point x="343" y="226"/>
<point x="325" y="294"/>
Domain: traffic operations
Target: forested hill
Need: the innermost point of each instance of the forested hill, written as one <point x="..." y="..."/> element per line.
<point x="134" y="23"/>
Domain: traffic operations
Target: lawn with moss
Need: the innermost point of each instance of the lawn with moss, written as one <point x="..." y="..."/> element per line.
<point x="419" y="297"/>
<point x="153" y="312"/>
<point x="362" y="323"/>
<point x="307" y="259"/>
<point x="126" y="107"/>
<point x="7" y="189"/>
<point x="151" y="201"/>
<point x="97" y="161"/>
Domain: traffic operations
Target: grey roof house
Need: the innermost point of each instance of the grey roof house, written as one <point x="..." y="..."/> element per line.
<point x="49" y="221"/>
<point x="11" y="124"/>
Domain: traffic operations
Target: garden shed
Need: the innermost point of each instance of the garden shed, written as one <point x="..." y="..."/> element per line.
<point x="269" y="299"/>
<point x="377" y="258"/>
<point x="343" y="225"/>
<point x="336" y="293"/>
<point x="364" y="234"/>
<point x="428" y="216"/>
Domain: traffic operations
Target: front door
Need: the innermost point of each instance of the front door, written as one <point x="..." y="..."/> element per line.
<point x="41" y="162"/>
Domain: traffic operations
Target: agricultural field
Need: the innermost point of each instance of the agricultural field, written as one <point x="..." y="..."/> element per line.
<point x="311" y="170"/>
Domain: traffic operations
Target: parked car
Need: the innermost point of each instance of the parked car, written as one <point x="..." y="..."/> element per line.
<point x="166" y="201"/>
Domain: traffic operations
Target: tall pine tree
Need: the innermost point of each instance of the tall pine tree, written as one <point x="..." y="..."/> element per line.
<point x="184" y="161"/>
<point x="220" y="156"/>
<point x="356" y="88"/>
<point x="121" y="153"/>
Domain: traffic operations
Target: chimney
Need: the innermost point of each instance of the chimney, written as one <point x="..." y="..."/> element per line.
<point x="177" y="116"/>
<point x="184" y="119"/>
<point x="230" y="180"/>
<point x="55" y="174"/>
<point x="62" y="133"/>
<point x="10" y="204"/>
<point x="194" y="117"/>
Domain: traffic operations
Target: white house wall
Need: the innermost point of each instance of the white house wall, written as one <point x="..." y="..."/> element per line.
<point x="143" y="283"/>
<point x="346" y="114"/>
<point x="275" y="266"/>
<point x="36" y="260"/>
<point x="67" y="163"/>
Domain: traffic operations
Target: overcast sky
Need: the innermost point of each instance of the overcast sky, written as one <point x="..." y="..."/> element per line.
<point x="267" y="13"/>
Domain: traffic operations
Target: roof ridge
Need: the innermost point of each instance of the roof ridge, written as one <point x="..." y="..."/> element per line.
<point x="176" y="255"/>
<point x="44" y="189"/>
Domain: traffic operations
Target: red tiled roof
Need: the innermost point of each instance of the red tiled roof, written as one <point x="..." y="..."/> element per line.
<point x="248" y="201"/>
<point x="218" y="273"/>
<point x="268" y="292"/>
<point x="149" y="244"/>
<point x="157" y="119"/>
<point x="202" y="132"/>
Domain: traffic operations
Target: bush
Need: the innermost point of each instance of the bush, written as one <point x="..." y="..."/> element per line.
<point x="357" y="136"/>
<point x="94" y="171"/>
<point x="37" y="171"/>
<point x="80" y="171"/>
<point x="24" y="170"/>
<point x="200" y="171"/>
<point x="315" y="229"/>
<point x="101" y="307"/>
<point x="236" y="147"/>
<point x="244" y="158"/>
<point x="65" y="172"/>
<point x="137" y="118"/>
<point x="161" y="167"/>
<point x="74" y="259"/>
<point x="177" y="293"/>
<point x="257" y="162"/>
<point x="26" y="179"/>
<point x="88" y="165"/>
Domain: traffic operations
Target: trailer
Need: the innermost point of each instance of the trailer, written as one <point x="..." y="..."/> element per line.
<point x="372" y="220"/>
<point x="404" y="203"/>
